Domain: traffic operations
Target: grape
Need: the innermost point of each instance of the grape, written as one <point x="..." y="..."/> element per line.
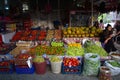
<point x="38" y="59"/>
<point x="55" y="59"/>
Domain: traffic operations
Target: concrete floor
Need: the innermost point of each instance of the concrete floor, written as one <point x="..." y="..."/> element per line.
<point x="49" y="76"/>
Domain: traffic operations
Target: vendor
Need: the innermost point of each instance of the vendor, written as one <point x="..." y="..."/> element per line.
<point x="106" y="38"/>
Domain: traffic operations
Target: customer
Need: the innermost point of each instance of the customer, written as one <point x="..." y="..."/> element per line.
<point x="106" y="38"/>
<point x="101" y="25"/>
<point x="96" y="24"/>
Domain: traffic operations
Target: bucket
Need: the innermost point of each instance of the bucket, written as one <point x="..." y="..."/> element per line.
<point x="56" y="67"/>
<point x="40" y="68"/>
<point x="105" y="73"/>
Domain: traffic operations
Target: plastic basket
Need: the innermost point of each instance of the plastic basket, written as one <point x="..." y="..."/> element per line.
<point x="20" y="70"/>
<point x="56" y="67"/>
<point x="72" y="69"/>
<point x="7" y="70"/>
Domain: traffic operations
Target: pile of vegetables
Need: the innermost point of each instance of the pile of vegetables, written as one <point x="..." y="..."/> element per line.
<point x="74" y="51"/>
<point x="114" y="63"/>
<point x="91" y="47"/>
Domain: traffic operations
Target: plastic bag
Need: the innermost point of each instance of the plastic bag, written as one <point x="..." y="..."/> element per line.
<point x="114" y="70"/>
<point x="91" y="64"/>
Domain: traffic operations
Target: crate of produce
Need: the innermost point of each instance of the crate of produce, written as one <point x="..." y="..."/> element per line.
<point x="71" y="66"/>
<point x="71" y="70"/>
<point x="23" y="59"/>
<point x="6" y="67"/>
<point x="24" y="70"/>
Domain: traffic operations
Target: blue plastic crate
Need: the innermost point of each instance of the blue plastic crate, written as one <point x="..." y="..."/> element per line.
<point x="72" y="69"/>
<point x="7" y="70"/>
<point x="25" y="70"/>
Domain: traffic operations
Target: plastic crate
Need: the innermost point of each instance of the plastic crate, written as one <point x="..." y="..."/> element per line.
<point x="72" y="69"/>
<point x="7" y="70"/>
<point x="20" y="70"/>
<point x="21" y="61"/>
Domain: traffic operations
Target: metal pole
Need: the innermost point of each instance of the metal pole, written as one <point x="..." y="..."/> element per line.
<point x="59" y="9"/>
<point x="92" y="13"/>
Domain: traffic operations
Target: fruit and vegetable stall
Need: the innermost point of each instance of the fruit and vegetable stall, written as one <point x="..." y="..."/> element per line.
<point x="68" y="51"/>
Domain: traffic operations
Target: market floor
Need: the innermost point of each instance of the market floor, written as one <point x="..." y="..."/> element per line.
<point x="49" y="76"/>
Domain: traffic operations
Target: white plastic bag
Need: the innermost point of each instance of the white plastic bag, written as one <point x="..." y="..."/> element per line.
<point x="91" y="64"/>
<point x="114" y="70"/>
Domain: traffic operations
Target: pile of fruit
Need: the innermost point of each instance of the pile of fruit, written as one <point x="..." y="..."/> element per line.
<point x="55" y="43"/>
<point x="21" y="59"/>
<point x="70" y="61"/>
<point x="50" y="50"/>
<point x="17" y="36"/>
<point x="50" y="34"/>
<point x="58" y="34"/>
<point x="55" y="59"/>
<point x="71" y="65"/>
<point x="75" y="44"/>
<point x="38" y="59"/>
<point x="81" y="32"/>
<point x="42" y="35"/>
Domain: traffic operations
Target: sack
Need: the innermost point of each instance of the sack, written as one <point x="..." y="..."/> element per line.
<point x="114" y="70"/>
<point x="91" y="64"/>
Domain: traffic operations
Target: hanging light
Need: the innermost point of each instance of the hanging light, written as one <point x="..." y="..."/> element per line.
<point x="6" y="5"/>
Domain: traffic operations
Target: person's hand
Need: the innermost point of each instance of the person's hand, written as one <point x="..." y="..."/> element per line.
<point x="108" y="39"/>
<point x="118" y="33"/>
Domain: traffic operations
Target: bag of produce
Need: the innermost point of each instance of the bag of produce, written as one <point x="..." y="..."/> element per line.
<point x="114" y="67"/>
<point x="91" y="64"/>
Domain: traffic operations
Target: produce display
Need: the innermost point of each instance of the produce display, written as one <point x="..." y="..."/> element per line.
<point x="50" y="43"/>
<point x="91" y="47"/>
<point x="81" y="32"/>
